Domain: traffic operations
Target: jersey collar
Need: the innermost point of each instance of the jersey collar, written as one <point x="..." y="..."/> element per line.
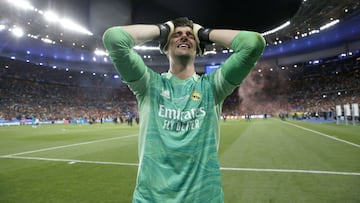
<point x="169" y="75"/>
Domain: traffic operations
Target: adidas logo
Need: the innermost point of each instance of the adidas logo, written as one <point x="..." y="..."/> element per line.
<point x="165" y="93"/>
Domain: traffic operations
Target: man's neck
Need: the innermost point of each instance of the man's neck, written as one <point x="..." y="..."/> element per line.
<point x="182" y="69"/>
<point x="182" y="72"/>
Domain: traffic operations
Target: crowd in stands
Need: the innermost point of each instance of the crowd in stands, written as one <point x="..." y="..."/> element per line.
<point x="312" y="90"/>
<point x="22" y="98"/>
<point x="28" y="90"/>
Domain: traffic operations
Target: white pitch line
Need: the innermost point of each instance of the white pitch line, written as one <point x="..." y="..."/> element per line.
<point x="291" y="171"/>
<point x="323" y="134"/>
<point x="74" y="161"/>
<point x="70" y="145"/>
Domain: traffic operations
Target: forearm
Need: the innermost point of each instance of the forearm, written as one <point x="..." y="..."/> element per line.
<point x="222" y="36"/>
<point x="119" y="42"/>
<point x="142" y="33"/>
<point x="247" y="46"/>
<point x="225" y="38"/>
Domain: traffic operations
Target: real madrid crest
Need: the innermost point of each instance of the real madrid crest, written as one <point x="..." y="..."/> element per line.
<point x="195" y="95"/>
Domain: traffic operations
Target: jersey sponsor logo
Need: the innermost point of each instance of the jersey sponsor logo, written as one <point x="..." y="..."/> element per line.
<point x="177" y="120"/>
<point x="177" y="114"/>
<point x="174" y="125"/>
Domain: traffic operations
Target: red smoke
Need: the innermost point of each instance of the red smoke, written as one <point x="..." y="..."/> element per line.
<point x="263" y="91"/>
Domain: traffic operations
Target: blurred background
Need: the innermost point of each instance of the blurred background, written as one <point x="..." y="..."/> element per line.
<point x="53" y="65"/>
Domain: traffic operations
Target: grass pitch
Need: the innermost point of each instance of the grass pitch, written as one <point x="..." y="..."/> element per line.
<point x="261" y="161"/>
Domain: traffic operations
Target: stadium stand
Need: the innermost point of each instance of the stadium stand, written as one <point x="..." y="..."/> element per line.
<point x="29" y="90"/>
<point x="286" y="81"/>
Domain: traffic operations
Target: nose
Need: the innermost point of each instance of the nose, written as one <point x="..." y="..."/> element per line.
<point x="184" y="37"/>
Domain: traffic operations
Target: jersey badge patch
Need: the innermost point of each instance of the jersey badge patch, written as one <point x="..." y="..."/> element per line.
<point x="195" y="96"/>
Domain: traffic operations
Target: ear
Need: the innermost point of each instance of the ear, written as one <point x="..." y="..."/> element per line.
<point x="166" y="51"/>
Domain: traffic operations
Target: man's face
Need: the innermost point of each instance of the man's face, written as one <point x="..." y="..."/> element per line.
<point x="182" y="42"/>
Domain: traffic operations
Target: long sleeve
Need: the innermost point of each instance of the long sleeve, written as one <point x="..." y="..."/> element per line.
<point x="127" y="62"/>
<point x="248" y="47"/>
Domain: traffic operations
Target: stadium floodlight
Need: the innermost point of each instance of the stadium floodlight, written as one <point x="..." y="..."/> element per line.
<point x="276" y="29"/>
<point x="332" y="23"/>
<point x="18" y="32"/>
<point x="51" y="16"/>
<point x="22" y="4"/>
<point x="209" y="52"/>
<point x="99" y="52"/>
<point x="68" y="24"/>
<point x="144" y="48"/>
<point x="2" y="27"/>
<point x="47" y="40"/>
<point x="314" y="32"/>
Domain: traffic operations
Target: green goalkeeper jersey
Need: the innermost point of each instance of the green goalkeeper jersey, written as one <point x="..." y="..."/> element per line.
<point x="179" y="137"/>
<point x="179" y="126"/>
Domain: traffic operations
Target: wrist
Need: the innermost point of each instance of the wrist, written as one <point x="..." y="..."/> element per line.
<point x="204" y="35"/>
<point x="164" y="31"/>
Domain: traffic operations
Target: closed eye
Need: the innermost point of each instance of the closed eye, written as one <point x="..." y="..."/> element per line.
<point x="188" y="34"/>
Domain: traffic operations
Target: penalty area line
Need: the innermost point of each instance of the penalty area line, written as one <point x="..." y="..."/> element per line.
<point x="290" y="171"/>
<point x="70" y="161"/>
<point x="74" y="161"/>
<point x="71" y="145"/>
<point x="323" y="134"/>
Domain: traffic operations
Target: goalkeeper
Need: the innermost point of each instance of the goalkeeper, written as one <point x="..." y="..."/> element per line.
<point x="179" y="109"/>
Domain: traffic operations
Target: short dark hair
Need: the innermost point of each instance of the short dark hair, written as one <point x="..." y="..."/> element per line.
<point x="183" y="21"/>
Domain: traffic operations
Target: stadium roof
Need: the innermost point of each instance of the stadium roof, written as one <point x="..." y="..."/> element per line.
<point x="92" y="17"/>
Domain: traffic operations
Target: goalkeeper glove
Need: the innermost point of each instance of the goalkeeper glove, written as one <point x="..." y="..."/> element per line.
<point x="201" y="37"/>
<point x="166" y="30"/>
